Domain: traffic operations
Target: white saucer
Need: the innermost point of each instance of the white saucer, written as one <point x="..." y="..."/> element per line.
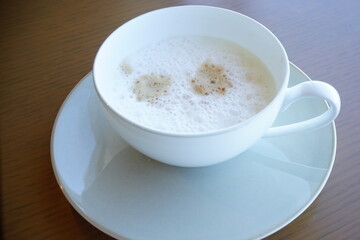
<point x="127" y="195"/>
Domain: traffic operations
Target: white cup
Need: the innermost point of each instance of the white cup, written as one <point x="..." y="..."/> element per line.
<point x="207" y="148"/>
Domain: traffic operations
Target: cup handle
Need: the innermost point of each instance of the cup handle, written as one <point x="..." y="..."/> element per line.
<point x="305" y="90"/>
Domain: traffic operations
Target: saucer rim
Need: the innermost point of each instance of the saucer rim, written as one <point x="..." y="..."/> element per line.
<point x="115" y="235"/>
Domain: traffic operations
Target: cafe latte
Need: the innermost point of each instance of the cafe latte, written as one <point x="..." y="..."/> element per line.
<point x="191" y="84"/>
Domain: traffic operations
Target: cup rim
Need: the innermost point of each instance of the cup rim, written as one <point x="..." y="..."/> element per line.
<point x="191" y="134"/>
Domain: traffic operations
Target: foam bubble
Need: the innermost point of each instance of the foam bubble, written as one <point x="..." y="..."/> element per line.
<point x="192" y="84"/>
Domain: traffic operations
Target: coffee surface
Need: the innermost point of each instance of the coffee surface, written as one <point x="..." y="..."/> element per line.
<point x="192" y="84"/>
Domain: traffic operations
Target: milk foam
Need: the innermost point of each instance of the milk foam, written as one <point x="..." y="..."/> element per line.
<point x="176" y="106"/>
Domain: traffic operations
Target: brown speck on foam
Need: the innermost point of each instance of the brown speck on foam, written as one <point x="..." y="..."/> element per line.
<point x="150" y="87"/>
<point x="210" y="79"/>
<point x="126" y="68"/>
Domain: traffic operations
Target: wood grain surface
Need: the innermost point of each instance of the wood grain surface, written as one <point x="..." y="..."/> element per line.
<point x="47" y="46"/>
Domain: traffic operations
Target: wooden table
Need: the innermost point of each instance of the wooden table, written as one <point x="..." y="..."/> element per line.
<point x="48" y="46"/>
